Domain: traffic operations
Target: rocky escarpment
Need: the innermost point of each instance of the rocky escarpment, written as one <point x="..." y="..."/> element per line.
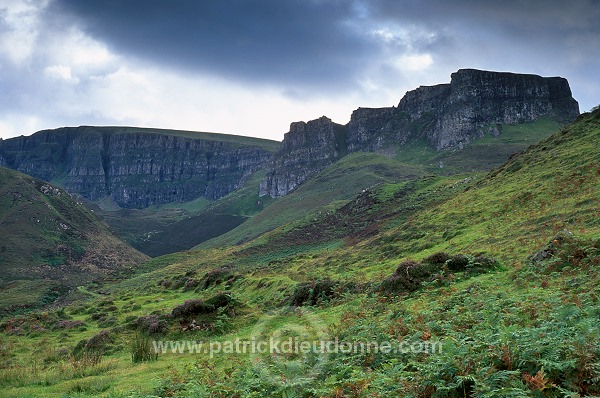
<point x="446" y="116"/>
<point x="306" y="147"/>
<point x="137" y="167"/>
<point x="452" y="115"/>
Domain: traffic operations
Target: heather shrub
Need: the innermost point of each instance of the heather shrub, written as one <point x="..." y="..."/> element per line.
<point x="406" y="278"/>
<point x="152" y="324"/>
<point x="190" y="308"/>
<point x="312" y="293"/>
<point x="437" y="258"/>
<point x="93" y="348"/>
<point x="219" y="276"/>
<point x="199" y="307"/>
<point x="458" y="262"/>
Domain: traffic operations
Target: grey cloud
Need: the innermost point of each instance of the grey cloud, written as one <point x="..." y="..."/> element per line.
<point x="296" y="41"/>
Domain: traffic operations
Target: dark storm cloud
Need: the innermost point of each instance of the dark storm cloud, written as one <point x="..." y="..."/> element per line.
<point x="326" y="42"/>
<point x="550" y="18"/>
<point x="354" y="52"/>
<point x="265" y="40"/>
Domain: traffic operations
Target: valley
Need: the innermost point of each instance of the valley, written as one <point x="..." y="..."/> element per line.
<point x="455" y="229"/>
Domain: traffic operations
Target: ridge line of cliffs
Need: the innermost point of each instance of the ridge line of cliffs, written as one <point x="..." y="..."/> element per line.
<point x="138" y="168"/>
<point x="135" y="169"/>
<point x="446" y="116"/>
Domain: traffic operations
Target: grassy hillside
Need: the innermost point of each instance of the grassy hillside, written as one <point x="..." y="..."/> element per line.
<point x="482" y="154"/>
<point x="332" y="187"/>
<point x="470" y="279"/>
<point x="176" y="227"/>
<point x="46" y="234"/>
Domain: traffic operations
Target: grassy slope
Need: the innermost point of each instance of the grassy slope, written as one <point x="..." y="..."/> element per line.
<point x="353" y="173"/>
<point x="332" y="187"/>
<point x="171" y="228"/>
<point x="520" y="331"/>
<point x="46" y="234"/>
<point x="483" y="153"/>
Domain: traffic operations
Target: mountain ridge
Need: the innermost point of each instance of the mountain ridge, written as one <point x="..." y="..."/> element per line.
<point x="452" y="115"/>
<point x="139" y="167"/>
<point x="135" y="167"/>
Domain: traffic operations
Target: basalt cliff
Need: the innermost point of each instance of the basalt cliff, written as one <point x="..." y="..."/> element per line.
<point x="446" y="116"/>
<point x="137" y="168"/>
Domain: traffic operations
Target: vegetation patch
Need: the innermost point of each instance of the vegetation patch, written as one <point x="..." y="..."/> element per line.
<point x="312" y="293"/>
<point x="219" y="276"/>
<point x="200" y="307"/>
<point x="410" y="274"/>
<point x="94" y="348"/>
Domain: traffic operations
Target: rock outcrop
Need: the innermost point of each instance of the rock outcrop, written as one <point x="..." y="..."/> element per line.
<point x="136" y="168"/>
<point x="306" y="149"/>
<point x="446" y="116"/>
<point x="452" y="115"/>
<point x="477" y="99"/>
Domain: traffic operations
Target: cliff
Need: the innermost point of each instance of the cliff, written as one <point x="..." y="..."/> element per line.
<point x="137" y="167"/>
<point x="305" y="148"/>
<point x="446" y="116"/>
<point x="452" y="115"/>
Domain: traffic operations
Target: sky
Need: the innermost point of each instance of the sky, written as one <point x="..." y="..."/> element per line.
<point x="251" y="67"/>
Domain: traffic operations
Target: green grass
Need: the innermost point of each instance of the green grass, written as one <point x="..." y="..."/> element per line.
<point x="340" y="182"/>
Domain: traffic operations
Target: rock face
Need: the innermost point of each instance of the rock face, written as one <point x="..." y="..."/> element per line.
<point x="136" y="168"/>
<point x="446" y="116"/>
<point x="306" y="149"/>
<point x="477" y="99"/>
<point x="140" y="167"/>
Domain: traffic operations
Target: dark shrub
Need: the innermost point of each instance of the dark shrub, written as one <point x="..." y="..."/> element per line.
<point x="98" y="315"/>
<point x="178" y="281"/>
<point x="152" y="324"/>
<point x="406" y="278"/>
<point x="174" y="283"/>
<point x="190" y="308"/>
<point x="67" y="324"/>
<point x="99" y="340"/>
<point x="221" y="300"/>
<point x="190" y="284"/>
<point x="93" y="348"/>
<point x="107" y="321"/>
<point x="484" y="262"/>
<point x="312" y="293"/>
<point x="437" y="258"/>
<point x="458" y="262"/>
<point x="217" y="277"/>
<point x="199" y="307"/>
